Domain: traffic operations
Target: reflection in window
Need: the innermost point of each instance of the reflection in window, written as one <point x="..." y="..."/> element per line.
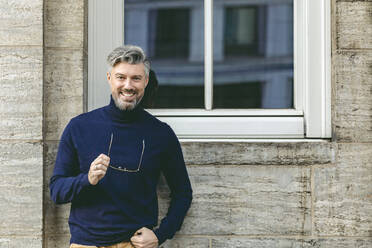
<point x="241" y="36"/>
<point x="254" y="55"/>
<point x="173" y="95"/>
<point x="238" y="95"/>
<point x="171" y="36"/>
<point x="252" y="43"/>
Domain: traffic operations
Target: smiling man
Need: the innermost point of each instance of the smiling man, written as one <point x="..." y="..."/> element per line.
<point x="109" y="162"/>
<point x="127" y="81"/>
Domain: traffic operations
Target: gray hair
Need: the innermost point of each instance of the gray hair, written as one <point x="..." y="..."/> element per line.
<point x="129" y="54"/>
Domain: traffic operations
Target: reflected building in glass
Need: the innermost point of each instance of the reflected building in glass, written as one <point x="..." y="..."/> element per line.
<point x="252" y="45"/>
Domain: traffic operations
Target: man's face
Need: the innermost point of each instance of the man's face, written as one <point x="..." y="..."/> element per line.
<point x="128" y="83"/>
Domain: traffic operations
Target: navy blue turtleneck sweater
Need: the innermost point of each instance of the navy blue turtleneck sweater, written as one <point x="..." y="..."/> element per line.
<point x="122" y="202"/>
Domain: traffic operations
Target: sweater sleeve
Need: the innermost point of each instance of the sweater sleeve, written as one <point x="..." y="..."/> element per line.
<point x="67" y="181"/>
<point x="178" y="181"/>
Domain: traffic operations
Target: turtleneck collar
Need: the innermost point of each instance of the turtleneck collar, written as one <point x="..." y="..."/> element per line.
<point x="123" y="115"/>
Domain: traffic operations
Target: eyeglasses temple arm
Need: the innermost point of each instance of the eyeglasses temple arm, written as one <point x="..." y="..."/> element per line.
<point x="143" y="149"/>
<point x="108" y="153"/>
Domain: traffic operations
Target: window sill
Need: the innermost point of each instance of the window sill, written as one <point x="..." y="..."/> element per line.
<point x="236" y="127"/>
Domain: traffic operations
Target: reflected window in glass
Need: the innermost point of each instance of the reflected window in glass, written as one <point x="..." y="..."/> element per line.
<point x="172" y="35"/>
<point x="253" y="57"/>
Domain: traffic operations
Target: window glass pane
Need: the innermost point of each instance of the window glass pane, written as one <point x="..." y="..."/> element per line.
<point x="172" y="35"/>
<point x="253" y="54"/>
<point x="240" y="32"/>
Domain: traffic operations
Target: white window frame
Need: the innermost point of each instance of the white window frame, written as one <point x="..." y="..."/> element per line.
<point x="310" y="118"/>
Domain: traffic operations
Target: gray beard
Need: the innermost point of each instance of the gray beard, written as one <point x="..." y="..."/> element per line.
<point x="126" y="106"/>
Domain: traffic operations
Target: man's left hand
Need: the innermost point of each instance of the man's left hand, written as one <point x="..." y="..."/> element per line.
<point x="144" y="238"/>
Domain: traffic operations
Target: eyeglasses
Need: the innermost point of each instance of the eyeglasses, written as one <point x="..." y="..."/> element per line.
<point x="123" y="168"/>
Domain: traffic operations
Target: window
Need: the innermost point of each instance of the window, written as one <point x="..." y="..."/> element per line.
<point x="226" y="69"/>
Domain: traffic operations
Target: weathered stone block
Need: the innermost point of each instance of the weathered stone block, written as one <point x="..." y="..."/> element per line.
<point x="21" y="92"/>
<point x="63" y="89"/>
<point x="20" y="189"/>
<point x="353" y="20"/>
<point x="20" y="210"/>
<point x="56" y="218"/>
<point x="50" y="154"/>
<point x="257" y="153"/>
<point x="20" y="164"/>
<point x="16" y="242"/>
<point x="246" y="200"/>
<point x="57" y="241"/>
<point x="64" y="23"/>
<point x="343" y="194"/>
<point x="353" y="105"/>
<point x="186" y="242"/>
<point x="343" y="243"/>
<point x="21" y="22"/>
<point x="242" y="242"/>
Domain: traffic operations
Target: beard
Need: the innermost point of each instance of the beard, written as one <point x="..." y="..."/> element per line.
<point x="126" y="106"/>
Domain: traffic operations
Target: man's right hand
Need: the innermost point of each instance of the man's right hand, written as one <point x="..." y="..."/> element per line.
<point x="98" y="169"/>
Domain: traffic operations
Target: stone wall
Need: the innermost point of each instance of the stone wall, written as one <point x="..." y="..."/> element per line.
<point x="253" y="194"/>
<point x="21" y="123"/>
<point x="65" y="75"/>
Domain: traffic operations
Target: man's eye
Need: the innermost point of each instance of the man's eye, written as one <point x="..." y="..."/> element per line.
<point x="136" y="78"/>
<point x="120" y="78"/>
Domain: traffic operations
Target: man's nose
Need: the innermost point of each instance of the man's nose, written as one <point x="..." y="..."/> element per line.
<point x="128" y="84"/>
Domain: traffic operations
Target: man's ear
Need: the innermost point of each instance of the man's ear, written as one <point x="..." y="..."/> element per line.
<point x="147" y="81"/>
<point x="108" y="74"/>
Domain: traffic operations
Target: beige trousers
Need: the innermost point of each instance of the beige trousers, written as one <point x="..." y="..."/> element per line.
<point x="119" y="245"/>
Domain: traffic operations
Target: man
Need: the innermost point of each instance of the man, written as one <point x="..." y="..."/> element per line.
<point x="109" y="161"/>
